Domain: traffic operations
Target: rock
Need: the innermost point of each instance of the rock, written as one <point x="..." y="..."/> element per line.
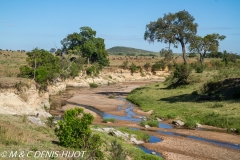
<point x="159" y="120"/>
<point x="198" y="125"/>
<point x="154" y="153"/>
<point x="35" y="120"/>
<point x="147" y="126"/>
<point x="108" y="129"/>
<point x="233" y="129"/>
<point x="178" y="123"/>
<point x="134" y="140"/>
<point x="97" y="129"/>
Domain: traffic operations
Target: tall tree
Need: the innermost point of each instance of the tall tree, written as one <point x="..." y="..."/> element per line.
<point x="86" y="45"/>
<point x="172" y="28"/>
<point x="204" y="45"/>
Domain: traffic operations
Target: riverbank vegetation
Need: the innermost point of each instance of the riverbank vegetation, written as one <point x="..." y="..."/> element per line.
<point x="211" y="97"/>
<point x="16" y="132"/>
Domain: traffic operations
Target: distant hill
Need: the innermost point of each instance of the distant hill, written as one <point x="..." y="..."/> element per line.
<point x="118" y="50"/>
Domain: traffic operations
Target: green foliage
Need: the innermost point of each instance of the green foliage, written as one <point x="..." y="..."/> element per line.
<point x="105" y="120"/>
<point x="93" y="70"/>
<point x="74" y="132"/>
<point x="190" y="122"/>
<point x="152" y="123"/>
<point x="167" y="54"/>
<point x="47" y="67"/>
<point x="50" y="122"/>
<point x="172" y="28"/>
<point x="111" y="96"/>
<point x="117" y="151"/>
<point x="147" y="66"/>
<point x="181" y="73"/>
<point x="93" y="85"/>
<point x="133" y="68"/>
<point x="199" y="68"/>
<point x="229" y="57"/>
<point x="160" y="65"/>
<point x="86" y="45"/>
<point x="206" y="44"/>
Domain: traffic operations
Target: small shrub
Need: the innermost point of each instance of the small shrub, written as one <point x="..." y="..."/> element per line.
<point x="181" y="73"/>
<point x="133" y="68"/>
<point x="160" y="65"/>
<point x="93" y="85"/>
<point x="111" y="96"/>
<point x="152" y="123"/>
<point x="199" y="68"/>
<point x="50" y="122"/>
<point x="117" y="152"/>
<point x="24" y="119"/>
<point x="147" y="66"/>
<point x="125" y="64"/>
<point x="105" y="120"/>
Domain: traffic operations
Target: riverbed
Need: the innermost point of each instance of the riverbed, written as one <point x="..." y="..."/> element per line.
<point x="180" y="144"/>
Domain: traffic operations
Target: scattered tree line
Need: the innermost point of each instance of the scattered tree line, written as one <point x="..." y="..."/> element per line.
<point x="80" y="52"/>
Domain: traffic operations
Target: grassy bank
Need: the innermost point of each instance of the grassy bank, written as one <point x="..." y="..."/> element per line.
<point x="187" y="104"/>
<point x="17" y="134"/>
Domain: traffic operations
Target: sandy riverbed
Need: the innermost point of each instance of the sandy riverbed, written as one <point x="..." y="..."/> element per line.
<point x="172" y="147"/>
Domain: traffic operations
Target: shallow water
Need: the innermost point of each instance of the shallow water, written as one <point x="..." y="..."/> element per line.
<point x="149" y="151"/>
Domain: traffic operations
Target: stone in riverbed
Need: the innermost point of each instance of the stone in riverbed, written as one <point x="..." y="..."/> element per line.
<point x="147" y="126"/>
<point x="178" y="123"/>
<point x="134" y="140"/>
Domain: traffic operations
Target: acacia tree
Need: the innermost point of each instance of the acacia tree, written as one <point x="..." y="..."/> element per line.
<point x="206" y="44"/>
<point x="173" y="29"/>
<point x="86" y="44"/>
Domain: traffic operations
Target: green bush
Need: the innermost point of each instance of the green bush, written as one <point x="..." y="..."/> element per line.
<point x="152" y="123"/>
<point x="181" y="73"/>
<point x="133" y="68"/>
<point x="74" y="132"/>
<point x="160" y="65"/>
<point x="147" y="66"/>
<point x="93" y="85"/>
<point x="105" y="120"/>
<point x="111" y="96"/>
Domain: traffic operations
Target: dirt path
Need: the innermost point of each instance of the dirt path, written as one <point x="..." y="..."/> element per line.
<point x="172" y="147"/>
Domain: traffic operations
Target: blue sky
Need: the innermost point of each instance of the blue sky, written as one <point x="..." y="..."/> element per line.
<point x="26" y="24"/>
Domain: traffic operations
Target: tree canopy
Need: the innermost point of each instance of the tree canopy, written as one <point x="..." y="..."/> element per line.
<point x="87" y="45"/>
<point x="206" y="44"/>
<point x="173" y="28"/>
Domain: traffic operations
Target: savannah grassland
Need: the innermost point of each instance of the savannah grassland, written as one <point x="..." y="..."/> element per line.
<point x="210" y="98"/>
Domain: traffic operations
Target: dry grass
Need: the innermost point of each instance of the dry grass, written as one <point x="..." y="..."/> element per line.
<point x="10" y="63"/>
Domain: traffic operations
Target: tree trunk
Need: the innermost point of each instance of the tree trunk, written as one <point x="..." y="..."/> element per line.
<point x="184" y="52"/>
<point x="201" y="59"/>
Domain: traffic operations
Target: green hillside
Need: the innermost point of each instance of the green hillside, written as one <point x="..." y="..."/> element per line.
<point x="130" y="51"/>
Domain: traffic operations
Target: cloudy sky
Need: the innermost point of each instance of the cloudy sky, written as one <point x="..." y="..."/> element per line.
<point x="27" y="24"/>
